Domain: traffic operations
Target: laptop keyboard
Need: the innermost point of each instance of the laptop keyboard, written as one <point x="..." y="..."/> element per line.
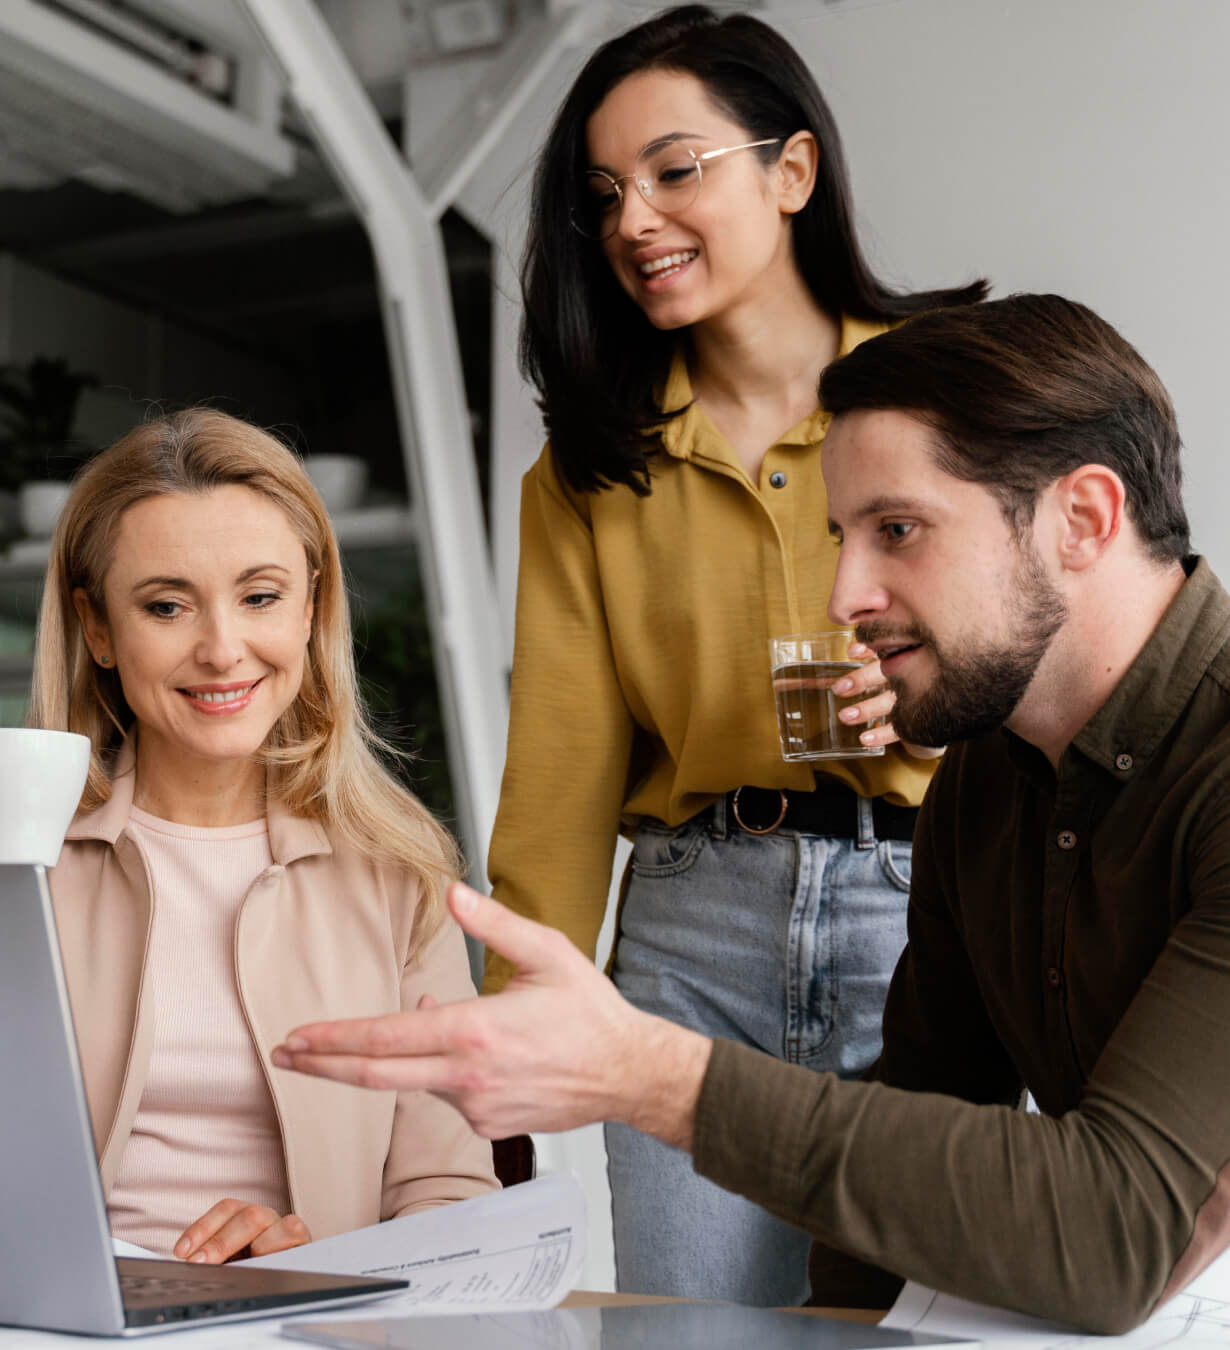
<point x="171" y="1288"/>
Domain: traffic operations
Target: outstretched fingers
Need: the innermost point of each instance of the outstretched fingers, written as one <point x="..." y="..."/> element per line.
<point x="428" y="1032"/>
<point x="426" y="1073"/>
<point x="462" y="1052"/>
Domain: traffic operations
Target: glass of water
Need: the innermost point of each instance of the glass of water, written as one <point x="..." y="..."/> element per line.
<point x="806" y="666"/>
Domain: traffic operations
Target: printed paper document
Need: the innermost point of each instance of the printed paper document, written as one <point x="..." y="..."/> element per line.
<point x="1196" y="1319"/>
<point x="515" y="1250"/>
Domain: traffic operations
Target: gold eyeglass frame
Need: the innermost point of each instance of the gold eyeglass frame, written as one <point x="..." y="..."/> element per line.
<point x="646" y="189"/>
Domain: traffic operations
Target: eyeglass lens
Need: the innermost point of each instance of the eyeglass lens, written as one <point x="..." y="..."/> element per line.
<point x="667" y="178"/>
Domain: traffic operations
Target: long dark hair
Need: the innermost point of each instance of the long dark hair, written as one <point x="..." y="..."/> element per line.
<point x="598" y="364"/>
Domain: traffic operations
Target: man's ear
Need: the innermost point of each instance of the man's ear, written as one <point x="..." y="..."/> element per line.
<point x="1089" y="507"/>
<point x="95" y="627"/>
<point x="796" y="168"/>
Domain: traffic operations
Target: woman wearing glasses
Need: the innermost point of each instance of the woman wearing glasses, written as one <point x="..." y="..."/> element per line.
<point x="691" y="268"/>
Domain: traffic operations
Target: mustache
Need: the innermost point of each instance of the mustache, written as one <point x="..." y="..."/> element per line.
<point x="879" y="630"/>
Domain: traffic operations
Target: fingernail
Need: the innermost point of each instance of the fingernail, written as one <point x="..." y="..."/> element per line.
<point x="281" y="1059"/>
<point x="464" y="900"/>
<point x="843" y="686"/>
<point x="857" y="649"/>
<point x="181" y="1247"/>
<point x="197" y="1258"/>
<point x="294" y="1042"/>
<point x="849" y="714"/>
<point x="868" y="738"/>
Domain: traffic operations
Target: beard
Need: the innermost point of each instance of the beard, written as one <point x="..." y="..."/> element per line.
<point x="977" y="689"/>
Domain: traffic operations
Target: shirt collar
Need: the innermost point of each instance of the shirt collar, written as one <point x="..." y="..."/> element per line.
<point x="1159" y="684"/>
<point x="691" y="435"/>
<point x="290" y="837"/>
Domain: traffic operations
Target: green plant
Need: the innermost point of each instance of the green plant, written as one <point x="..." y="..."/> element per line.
<point x="38" y="403"/>
<point x="398" y="680"/>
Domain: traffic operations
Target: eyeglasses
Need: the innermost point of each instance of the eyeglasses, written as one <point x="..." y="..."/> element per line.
<point x="667" y="177"/>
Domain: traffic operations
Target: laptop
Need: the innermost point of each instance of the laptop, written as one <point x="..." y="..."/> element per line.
<point x="59" y="1273"/>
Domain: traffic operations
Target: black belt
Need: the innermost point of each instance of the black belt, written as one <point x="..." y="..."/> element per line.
<point x="831" y="809"/>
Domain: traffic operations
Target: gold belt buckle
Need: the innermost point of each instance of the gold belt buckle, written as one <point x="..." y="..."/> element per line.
<point x="758" y="829"/>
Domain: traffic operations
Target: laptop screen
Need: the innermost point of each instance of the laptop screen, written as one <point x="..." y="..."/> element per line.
<point x="55" y="1244"/>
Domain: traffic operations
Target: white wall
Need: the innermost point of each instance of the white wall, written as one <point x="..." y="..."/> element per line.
<point x="1078" y="146"/>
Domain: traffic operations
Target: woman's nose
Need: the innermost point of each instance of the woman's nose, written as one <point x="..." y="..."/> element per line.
<point x="636" y="215"/>
<point x="220" y="645"/>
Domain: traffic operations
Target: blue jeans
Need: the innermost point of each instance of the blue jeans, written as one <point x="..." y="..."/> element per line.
<point x="783" y="942"/>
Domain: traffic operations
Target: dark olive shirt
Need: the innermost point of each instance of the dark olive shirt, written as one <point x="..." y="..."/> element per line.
<point x="1068" y="932"/>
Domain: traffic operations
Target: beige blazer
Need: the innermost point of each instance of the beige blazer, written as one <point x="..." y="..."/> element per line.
<point x="322" y="933"/>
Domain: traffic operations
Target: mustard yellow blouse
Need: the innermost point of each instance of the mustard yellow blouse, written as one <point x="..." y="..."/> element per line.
<point x="641" y="683"/>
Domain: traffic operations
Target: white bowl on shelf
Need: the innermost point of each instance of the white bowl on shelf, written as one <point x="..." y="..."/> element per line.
<point x="341" y="480"/>
<point x="39" y="505"/>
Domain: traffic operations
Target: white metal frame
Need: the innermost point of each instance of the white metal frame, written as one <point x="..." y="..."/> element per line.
<point x="167" y="128"/>
<point x="402" y="222"/>
<point x="430" y="398"/>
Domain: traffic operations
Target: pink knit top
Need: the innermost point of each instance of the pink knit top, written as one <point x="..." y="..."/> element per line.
<point x="206" y="1128"/>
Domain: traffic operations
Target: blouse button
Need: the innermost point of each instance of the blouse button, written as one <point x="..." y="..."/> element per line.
<point x="1123" y="762"/>
<point x="778" y="479"/>
<point x="1054" y="978"/>
<point x="1066" y="839"/>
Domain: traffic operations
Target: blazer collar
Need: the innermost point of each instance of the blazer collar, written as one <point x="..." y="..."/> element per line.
<point x="290" y="837"/>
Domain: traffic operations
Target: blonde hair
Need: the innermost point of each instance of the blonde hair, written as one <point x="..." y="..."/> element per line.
<point x="322" y="754"/>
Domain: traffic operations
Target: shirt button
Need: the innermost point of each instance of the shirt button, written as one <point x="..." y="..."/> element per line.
<point x="1054" y="978"/>
<point x="1123" y="762"/>
<point x="1066" y="839"/>
<point x="778" y="479"/>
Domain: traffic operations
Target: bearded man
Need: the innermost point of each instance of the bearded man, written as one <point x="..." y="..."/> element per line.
<point x="1005" y="483"/>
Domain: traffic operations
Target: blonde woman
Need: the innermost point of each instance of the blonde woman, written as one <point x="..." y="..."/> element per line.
<point x="240" y="861"/>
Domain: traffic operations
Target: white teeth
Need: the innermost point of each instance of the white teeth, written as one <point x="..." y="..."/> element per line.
<point x="668" y="263"/>
<point x="229" y="696"/>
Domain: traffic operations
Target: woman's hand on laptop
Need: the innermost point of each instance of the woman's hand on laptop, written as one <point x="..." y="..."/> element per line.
<point x="236" y="1228"/>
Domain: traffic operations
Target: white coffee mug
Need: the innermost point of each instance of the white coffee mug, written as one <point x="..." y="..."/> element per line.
<point x="42" y="774"/>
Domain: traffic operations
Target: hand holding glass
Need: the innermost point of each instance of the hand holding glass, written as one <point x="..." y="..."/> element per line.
<point x="806" y="666"/>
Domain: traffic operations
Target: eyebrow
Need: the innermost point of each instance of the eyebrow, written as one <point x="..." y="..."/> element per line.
<point x="658" y="142"/>
<point x="182" y="583"/>
<point x="882" y="506"/>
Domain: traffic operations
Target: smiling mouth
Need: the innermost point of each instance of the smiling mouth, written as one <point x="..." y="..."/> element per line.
<point x="220" y="698"/>
<point x="668" y="265"/>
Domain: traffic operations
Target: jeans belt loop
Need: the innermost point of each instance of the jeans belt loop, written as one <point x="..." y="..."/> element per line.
<point x="719" y="825"/>
<point x="866" y="823"/>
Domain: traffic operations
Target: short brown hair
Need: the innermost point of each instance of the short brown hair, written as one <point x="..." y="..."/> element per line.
<point x="1020" y="392"/>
